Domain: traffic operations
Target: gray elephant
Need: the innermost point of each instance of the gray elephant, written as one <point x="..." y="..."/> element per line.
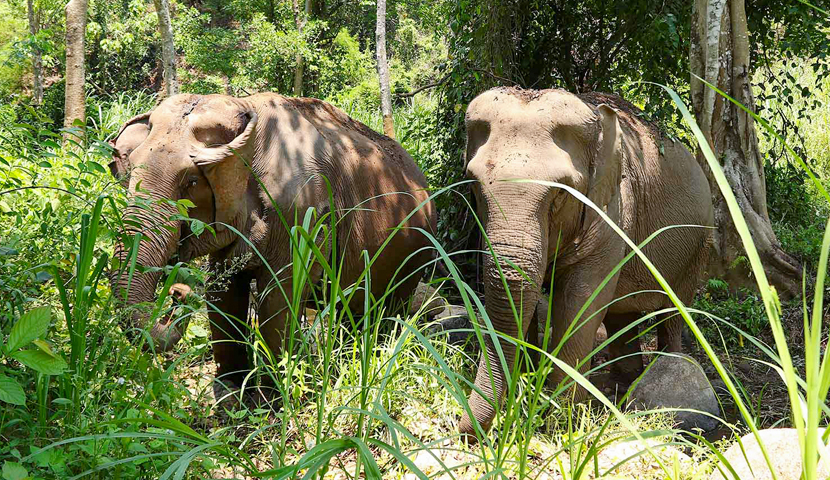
<point x="192" y="147"/>
<point x="598" y="145"/>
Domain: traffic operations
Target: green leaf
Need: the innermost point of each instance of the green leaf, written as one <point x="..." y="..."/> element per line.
<point x="95" y="166"/>
<point x="11" y="391"/>
<point x="44" y="346"/>
<point x="41" y="361"/>
<point x="44" y="164"/>
<point x="197" y="227"/>
<point x="14" y="471"/>
<point x="33" y="324"/>
<point x="42" y="276"/>
<point x="4" y="207"/>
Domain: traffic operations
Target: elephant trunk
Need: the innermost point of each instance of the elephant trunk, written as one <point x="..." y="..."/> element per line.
<point x="527" y="250"/>
<point x="157" y="246"/>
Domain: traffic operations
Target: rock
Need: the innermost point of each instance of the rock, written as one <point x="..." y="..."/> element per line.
<point x="784" y="453"/>
<point x="720" y="386"/>
<point x="427" y="299"/>
<point x="634" y="457"/>
<point x="441" y="463"/>
<point x="455" y="317"/>
<point x="677" y="381"/>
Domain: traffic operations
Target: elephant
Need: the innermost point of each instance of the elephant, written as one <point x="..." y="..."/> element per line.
<point x="247" y="165"/>
<point x="598" y="145"/>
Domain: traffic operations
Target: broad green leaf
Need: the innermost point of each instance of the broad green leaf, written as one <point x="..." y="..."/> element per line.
<point x="11" y="391"/>
<point x="197" y="227"/>
<point x="14" y="471"/>
<point x="4" y="207"/>
<point x="33" y="324"/>
<point x="41" y="361"/>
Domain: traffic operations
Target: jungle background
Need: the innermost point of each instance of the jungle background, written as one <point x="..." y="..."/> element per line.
<point x="107" y="409"/>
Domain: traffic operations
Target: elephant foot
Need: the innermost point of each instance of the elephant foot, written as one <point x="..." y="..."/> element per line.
<point x="232" y="397"/>
<point x="626" y="374"/>
<point x="228" y="392"/>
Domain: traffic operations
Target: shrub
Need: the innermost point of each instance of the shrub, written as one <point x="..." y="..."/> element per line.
<point x="743" y="310"/>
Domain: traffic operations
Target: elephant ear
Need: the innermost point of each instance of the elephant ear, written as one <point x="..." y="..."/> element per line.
<point x="606" y="168"/>
<point x="128" y="138"/>
<point x="226" y="169"/>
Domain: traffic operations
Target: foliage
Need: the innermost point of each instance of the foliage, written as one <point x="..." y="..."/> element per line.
<point x="792" y="98"/>
<point x="29" y="330"/>
<point x="12" y="70"/>
<point x="808" y="396"/>
<point x="124" y="33"/>
<point x="742" y="310"/>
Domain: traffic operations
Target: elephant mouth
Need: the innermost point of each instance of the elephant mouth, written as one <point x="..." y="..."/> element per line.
<point x="174" y="312"/>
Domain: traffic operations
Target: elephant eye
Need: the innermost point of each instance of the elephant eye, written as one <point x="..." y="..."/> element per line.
<point x="191" y="182"/>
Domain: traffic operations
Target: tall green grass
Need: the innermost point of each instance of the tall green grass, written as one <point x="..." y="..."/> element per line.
<point x="807" y="396"/>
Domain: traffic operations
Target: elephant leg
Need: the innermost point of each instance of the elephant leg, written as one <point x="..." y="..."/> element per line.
<point x="228" y="328"/>
<point x="670" y="332"/>
<point x="275" y="318"/>
<point x="274" y="312"/>
<point x="624" y="350"/>
<point x="572" y="290"/>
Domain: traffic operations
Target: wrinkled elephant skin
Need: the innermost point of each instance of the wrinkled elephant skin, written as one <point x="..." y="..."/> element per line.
<point x="230" y="157"/>
<point x="596" y="144"/>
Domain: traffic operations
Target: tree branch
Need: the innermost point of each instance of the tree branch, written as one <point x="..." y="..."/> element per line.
<point x="421" y="89"/>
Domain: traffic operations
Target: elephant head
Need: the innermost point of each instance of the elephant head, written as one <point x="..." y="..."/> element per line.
<point x="551" y="136"/>
<point x="189" y="147"/>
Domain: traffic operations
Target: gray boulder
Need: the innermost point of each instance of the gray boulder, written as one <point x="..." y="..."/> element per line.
<point x="454" y="317"/>
<point x="784" y="453"/>
<point x="426" y="297"/>
<point x="677" y="381"/>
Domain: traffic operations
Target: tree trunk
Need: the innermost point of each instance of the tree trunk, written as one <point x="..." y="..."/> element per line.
<point x="37" y="62"/>
<point x="299" y="21"/>
<point x="168" y="49"/>
<point x="74" y="106"/>
<point x="720" y="55"/>
<point x="383" y="72"/>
